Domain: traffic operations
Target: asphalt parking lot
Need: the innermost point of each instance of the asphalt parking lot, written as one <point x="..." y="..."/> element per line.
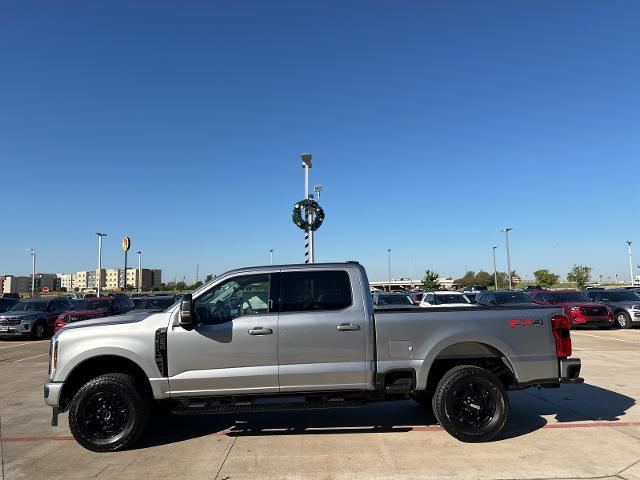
<point x="577" y="431"/>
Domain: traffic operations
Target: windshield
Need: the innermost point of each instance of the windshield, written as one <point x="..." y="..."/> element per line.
<point x="624" y="296"/>
<point x="96" y="305"/>
<point x="566" y="297"/>
<point x="512" y="297"/>
<point x="154" y="303"/>
<point x="448" y="298"/>
<point x="30" y="307"/>
<point x="395" y="300"/>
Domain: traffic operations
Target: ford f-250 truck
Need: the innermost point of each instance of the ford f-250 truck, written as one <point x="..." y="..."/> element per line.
<point x="301" y="336"/>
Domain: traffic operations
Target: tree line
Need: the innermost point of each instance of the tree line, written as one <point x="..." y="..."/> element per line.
<point x="579" y="274"/>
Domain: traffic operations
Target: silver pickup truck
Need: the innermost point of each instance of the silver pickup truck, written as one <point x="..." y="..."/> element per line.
<point x="301" y="336"/>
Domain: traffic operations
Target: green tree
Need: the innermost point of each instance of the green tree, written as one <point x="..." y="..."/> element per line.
<point x="545" y="278"/>
<point x="195" y="285"/>
<point x="465" y="281"/>
<point x="430" y="281"/>
<point x="580" y="274"/>
<point x="483" y="278"/>
<point x="180" y="286"/>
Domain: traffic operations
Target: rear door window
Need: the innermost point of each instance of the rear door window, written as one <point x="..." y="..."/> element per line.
<point x="315" y="291"/>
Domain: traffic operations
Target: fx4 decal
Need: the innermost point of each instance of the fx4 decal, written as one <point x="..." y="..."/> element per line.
<point x="525" y="322"/>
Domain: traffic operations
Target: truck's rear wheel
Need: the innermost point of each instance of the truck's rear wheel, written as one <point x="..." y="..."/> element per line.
<point x="471" y="404"/>
<point x="108" y="413"/>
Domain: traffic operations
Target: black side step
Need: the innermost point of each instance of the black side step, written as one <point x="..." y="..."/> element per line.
<point x="199" y="407"/>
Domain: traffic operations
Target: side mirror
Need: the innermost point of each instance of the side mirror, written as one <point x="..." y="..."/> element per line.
<point x="186" y="311"/>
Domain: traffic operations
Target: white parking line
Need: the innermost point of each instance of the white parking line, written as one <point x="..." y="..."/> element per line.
<point x="605" y="338"/>
<point x="13" y="346"/>
<point x="27" y="358"/>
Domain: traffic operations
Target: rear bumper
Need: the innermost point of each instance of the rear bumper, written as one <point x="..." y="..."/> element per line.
<point x="570" y="370"/>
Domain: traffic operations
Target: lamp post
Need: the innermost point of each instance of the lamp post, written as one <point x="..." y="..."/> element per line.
<point x="630" y="262"/>
<point x="389" y="266"/>
<point x="33" y="270"/>
<point x="271" y="256"/>
<point x="506" y="235"/>
<point x="308" y="235"/>
<point x="99" y="272"/>
<point x="495" y="270"/>
<point x="139" y="252"/>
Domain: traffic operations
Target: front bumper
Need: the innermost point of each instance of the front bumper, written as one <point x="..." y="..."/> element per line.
<point x="52" y="392"/>
<point x="570" y="370"/>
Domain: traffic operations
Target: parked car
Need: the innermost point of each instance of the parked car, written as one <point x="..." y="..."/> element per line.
<point x="624" y="303"/>
<point x="297" y="337"/>
<point x="386" y="300"/>
<point x="532" y="288"/>
<point x="11" y="295"/>
<point x="474" y="289"/>
<point x="580" y="309"/>
<point x="445" y="299"/>
<point x="502" y="298"/>
<point x="32" y="318"/>
<point x="95" y="307"/>
<point x="154" y="304"/>
<point x="7" y="303"/>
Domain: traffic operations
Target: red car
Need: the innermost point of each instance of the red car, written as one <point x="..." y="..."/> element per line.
<point x="577" y="306"/>
<point x="95" y="308"/>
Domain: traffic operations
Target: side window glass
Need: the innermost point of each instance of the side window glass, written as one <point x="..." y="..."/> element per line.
<point x="315" y="291"/>
<point x="429" y="298"/>
<point x="237" y="297"/>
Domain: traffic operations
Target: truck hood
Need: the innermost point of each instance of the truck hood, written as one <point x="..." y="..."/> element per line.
<point x="114" y="320"/>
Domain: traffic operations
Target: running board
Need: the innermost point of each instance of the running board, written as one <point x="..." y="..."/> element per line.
<point x="212" y="406"/>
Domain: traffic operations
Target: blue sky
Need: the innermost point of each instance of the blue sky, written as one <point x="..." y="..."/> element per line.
<point x="432" y="125"/>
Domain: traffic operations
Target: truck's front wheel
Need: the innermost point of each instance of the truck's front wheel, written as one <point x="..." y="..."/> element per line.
<point x="471" y="404"/>
<point x="107" y="413"/>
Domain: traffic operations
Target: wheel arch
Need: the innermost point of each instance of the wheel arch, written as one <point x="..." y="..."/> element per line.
<point x="99" y="365"/>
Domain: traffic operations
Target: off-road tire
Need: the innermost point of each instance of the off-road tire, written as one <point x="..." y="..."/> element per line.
<point x="446" y="393"/>
<point x="626" y="320"/>
<point x="122" y="387"/>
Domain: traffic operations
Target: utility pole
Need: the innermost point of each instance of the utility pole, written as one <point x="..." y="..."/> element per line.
<point x="308" y="234"/>
<point x="139" y="252"/>
<point x="495" y="270"/>
<point x="630" y="262"/>
<point x="389" y="266"/>
<point x="506" y="234"/>
<point x="99" y="273"/>
<point x="33" y="270"/>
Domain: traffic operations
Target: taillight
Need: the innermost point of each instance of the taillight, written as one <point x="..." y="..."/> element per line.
<point x="561" y="326"/>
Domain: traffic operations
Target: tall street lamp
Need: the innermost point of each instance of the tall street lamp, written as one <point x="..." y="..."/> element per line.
<point x="389" y="266"/>
<point x="33" y="269"/>
<point x="630" y="262"/>
<point x="139" y="252"/>
<point x="495" y="270"/>
<point x="99" y="272"/>
<point x="506" y="235"/>
<point x="271" y="256"/>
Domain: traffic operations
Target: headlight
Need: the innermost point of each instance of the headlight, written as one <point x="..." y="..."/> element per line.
<point x="28" y="319"/>
<point x="574" y="309"/>
<point x="53" y="356"/>
<point x="635" y="307"/>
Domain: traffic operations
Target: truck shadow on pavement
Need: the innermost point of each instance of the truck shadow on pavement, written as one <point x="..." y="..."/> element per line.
<point x="570" y="403"/>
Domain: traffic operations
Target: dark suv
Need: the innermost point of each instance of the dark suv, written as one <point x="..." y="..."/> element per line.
<point x="624" y="303"/>
<point x="33" y="318"/>
<point x="502" y="298"/>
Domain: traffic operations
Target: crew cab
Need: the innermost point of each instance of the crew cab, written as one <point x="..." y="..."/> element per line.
<point x="580" y="309"/>
<point x="301" y="336"/>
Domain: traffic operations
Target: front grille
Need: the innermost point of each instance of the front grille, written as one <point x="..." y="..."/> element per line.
<point x="10" y="321"/>
<point x="594" y="311"/>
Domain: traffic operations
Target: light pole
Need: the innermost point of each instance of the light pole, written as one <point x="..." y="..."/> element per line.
<point x="630" y="262"/>
<point x="389" y="266"/>
<point x="495" y="270"/>
<point x="99" y="272"/>
<point x="308" y="235"/>
<point x="33" y="270"/>
<point x="271" y="256"/>
<point x="139" y="252"/>
<point x="506" y="235"/>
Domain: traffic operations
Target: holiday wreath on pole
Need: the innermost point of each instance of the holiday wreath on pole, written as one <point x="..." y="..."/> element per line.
<point x="309" y="206"/>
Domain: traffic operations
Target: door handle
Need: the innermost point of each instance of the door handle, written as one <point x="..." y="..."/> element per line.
<point x="260" y="331"/>
<point x="347" y="327"/>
